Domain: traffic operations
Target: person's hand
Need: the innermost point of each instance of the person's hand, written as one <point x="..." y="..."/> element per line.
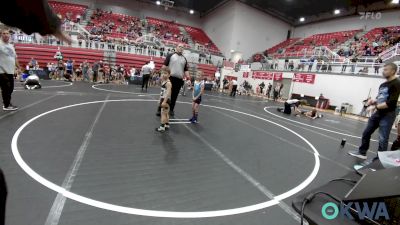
<point x="371" y="102"/>
<point x="164" y="105"/>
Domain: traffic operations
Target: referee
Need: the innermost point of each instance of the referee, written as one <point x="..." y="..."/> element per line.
<point x="8" y="64"/>
<point x="178" y="65"/>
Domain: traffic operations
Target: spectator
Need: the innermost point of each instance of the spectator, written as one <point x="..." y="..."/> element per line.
<point x="95" y="69"/>
<point x="146" y="72"/>
<point x="291" y="65"/>
<point x="85" y="71"/>
<point x="286" y="63"/>
<point x="377" y="65"/>
<point x="353" y="63"/>
<point x="346" y="62"/>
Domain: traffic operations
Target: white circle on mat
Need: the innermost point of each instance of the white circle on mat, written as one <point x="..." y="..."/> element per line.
<point x="155" y="213"/>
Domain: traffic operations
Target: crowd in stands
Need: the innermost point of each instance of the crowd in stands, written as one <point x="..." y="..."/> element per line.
<point x="372" y="43"/>
<point x="107" y="23"/>
<point x="68" y="12"/>
<point x="165" y="30"/>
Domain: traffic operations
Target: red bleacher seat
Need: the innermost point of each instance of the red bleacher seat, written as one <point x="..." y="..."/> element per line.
<point x="45" y="54"/>
<point x="63" y="8"/>
<point x="199" y="36"/>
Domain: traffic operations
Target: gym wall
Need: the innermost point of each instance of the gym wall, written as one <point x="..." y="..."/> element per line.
<point x="338" y="88"/>
<point x="388" y="18"/>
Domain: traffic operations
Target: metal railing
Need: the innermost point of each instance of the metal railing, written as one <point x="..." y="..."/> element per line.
<point x="358" y="68"/>
<point x="390" y="53"/>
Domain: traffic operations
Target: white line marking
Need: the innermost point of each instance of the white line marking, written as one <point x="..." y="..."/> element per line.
<point x="58" y="205"/>
<point x="178" y="119"/>
<point x="287" y="141"/>
<point x="153" y="213"/>
<point x="247" y="176"/>
<point x="180" y="122"/>
<point x="27" y="106"/>
<point x="320" y="128"/>
<point x="123" y="92"/>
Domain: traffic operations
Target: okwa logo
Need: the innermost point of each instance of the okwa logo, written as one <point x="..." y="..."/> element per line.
<point x="377" y="210"/>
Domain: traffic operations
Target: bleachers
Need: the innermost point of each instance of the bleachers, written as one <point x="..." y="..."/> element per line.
<point x="296" y="46"/>
<point x="119" y="20"/>
<point x="376" y="34"/>
<point x="164" y="27"/>
<point x="199" y="36"/>
<point x="63" y="8"/>
<point x="323" y="40"/>
<point x="282" y="45"/>
<point x="45" y="54"/>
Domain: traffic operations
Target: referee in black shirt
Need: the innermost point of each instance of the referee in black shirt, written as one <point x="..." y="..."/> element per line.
<point x="178" y="65"/>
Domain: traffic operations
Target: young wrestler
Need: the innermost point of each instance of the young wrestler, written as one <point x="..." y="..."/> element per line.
<point x="165" y="99"/>
<point x="198" y="90"/>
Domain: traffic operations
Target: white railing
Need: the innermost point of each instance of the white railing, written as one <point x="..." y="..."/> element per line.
<point x="391" y="52"/>
<point x="359" y="68"/>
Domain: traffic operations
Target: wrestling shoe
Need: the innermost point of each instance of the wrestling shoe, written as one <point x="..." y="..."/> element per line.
<point x="357" y="154"/>
<point x="10" y="108"/>
<point x="160" y="129"/>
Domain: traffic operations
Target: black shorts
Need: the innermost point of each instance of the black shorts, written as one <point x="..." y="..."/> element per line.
<point x="69" y="71"/>
<point x="198" y="100"/>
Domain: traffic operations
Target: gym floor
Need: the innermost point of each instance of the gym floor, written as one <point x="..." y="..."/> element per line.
<point x="83" y="155"/>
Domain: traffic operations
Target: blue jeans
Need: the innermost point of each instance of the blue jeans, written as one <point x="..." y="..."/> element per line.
<point x="383" y="121"/>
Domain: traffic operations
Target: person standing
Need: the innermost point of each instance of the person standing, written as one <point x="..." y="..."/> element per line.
<point x="8" y="66"/>
<point x="178" y="66"/>
<point x="85" y="71"/>
<point x="268" y="92"/>
<point x="146" y="71"/>
<point x="384" y="117"/>
<point x="95" y="69"/>
<point x="276" y="92"/>
<point x="378" y="62"/>
<point x="234" y="87"/>
<point x="262" y="86"/>
<point x="353" y="63"/>
<point x="3" y="197"/>
<point x="165" y="99"/>
<point x="198" y="91"/>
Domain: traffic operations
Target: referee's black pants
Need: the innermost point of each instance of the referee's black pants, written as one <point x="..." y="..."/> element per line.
<point x="177" y="84"/>
<point x="3" y="198"/>
<point x="7" y="88"/>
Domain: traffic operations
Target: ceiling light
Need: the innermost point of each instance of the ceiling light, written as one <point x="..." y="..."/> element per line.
<point x="232" y="50"/>
<point x="158" y="2"/>
<point x="302" y="19"/>
<point x="191" y="11"/>
<point x="337" y="11"/>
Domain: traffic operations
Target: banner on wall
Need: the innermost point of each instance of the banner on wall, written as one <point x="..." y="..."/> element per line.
<point x="246" y="74"/>
<point x="308" y="78"/>
<point x="262" y="75"/>
<point x="278" y="76"/>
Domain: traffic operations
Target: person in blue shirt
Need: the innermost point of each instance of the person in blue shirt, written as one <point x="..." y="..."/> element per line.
<point x="198" y="90"/>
